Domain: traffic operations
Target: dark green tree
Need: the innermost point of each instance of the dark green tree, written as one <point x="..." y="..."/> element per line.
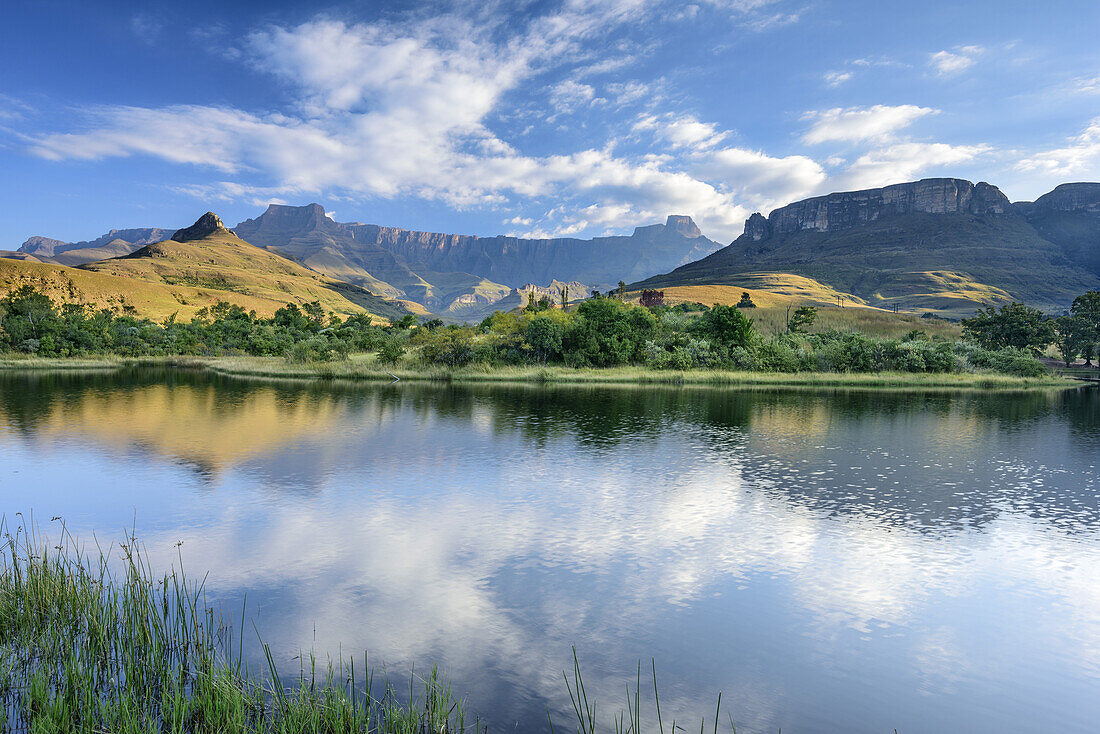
<point x="543" y="335"/>
<point x="802" y="319"/>
<point x="746" y="301"/>
<point x="1087" y="307"/>
<point x="726" y="325"/>
<point x="1013" y="325"/>
<point x="607" y="332"/>
<point x="1075" y="337"/>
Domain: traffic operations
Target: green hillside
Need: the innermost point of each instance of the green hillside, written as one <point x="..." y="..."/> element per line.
<point x="950" y="263"/>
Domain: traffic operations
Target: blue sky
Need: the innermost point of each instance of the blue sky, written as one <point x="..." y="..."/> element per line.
<point x="530" y="118"/>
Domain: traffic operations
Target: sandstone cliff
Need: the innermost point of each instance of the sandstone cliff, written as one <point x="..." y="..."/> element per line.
<point x="851" y="208"/>
<point x="941" y="243"/>
<point x="1069" y="216"/>
<point x="432" y="268"/>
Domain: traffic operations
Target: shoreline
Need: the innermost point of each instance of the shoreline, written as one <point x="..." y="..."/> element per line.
<point x="362" y="368"/>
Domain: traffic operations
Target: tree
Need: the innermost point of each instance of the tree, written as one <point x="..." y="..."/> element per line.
<point x="563" y="291"/>
<point x="651" y="298"/>
<point x="1074" y="337"/>
<point x="606" y="331"/>
<point x="726" y="325"/>
<point x="531" y="306"/>
<point x="543" y="335"/>
<point x="802" y="319"/>
<point x="452" y="346"/>
<point x="1087" y="307"/>
<point x="1014" y="325"/>
<point x="621" y="290"/>
<point x="28" y="315"/>
<point x="407" y="321"/>
<point x="746" y="301"/>
<point x="391" y="351"/>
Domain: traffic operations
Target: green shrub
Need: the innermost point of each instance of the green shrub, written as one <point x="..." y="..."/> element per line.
<point x="452" y="346"/>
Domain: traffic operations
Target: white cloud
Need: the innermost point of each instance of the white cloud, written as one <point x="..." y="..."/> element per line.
<point x="410" y="109"/>
<point x="1080" y="155"/>
<point x="947" y="63"/>
<point x="569" y="95"/>
<point x="855" y="124"/>
<point x="625" y="93"/>
<point x="836" y="78"/>
<point x="681" y="131"/>
<point x="760" y="180"/>
<point x="904" y="162"/>
<point x="401" y="111"/>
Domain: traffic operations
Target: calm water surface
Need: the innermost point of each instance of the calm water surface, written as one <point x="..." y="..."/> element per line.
<point x="830" y="561"/>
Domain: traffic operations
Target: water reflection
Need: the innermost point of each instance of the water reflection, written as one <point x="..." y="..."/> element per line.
<point x="840" y="561"/>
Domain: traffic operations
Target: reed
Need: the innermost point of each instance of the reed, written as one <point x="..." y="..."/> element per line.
<point x="94" y="642"/>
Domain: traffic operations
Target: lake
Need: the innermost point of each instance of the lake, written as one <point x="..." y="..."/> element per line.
<point x="831" y="561"/>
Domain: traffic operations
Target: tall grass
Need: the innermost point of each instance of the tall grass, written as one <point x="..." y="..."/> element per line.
<point x="90" y="643"/>
<point x="97" y="643"/>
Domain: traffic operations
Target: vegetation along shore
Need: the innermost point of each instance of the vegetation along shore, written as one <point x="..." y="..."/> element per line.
<point x="603" y="339"/>
<point x="95" y="642"/>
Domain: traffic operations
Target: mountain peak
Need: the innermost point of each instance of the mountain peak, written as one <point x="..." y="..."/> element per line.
<point x="684" y="225"/>
<point x="206" y="225"/>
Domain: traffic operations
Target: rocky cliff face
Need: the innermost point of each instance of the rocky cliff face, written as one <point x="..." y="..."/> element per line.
<point x="1069" y="197"/>
<point x="1069" y="216"/>
<point x="42" y="246"/>
<point x="410" y="260"/>
<point x="941" y="243"/>
<point x="853" y="208"/>
<point x="206" y="225"/>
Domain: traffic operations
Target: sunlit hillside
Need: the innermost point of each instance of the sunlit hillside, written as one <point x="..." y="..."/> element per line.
<point x="228" y="268"/>
<point x="776" y="291"/>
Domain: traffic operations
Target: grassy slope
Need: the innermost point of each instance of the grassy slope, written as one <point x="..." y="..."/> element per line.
<point x="223" y="267"/>
<point x="773" y="292"/>
<point x="101" y="290"/>
<point x="919" y="261"/>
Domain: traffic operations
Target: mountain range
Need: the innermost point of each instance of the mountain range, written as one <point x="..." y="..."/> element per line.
<point x="455" y="274"/>
<point x="939" y="244"/>
<point x="944" y="245"/>
<point x="463" y="276"/>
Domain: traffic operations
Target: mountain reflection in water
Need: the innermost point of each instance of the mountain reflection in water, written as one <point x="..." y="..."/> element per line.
<point x="830" y="560"/>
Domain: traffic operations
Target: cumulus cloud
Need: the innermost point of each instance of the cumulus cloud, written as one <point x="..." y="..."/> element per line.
<point x="681" y="131"/>
<point x="1080" y="155"/>
<point x="413" y="109"/>
<point x="760" y="180"/>
<point x="855" y="124"/>
<point x="403" y="111"/>
<point x="946" y="63"/>
<point x="904" y="162"/>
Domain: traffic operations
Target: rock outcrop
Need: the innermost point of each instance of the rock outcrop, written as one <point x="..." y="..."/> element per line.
<point x="1069" y="197"/>
<point x="851" y="208"/>
<point x="942" y="243"/>
<point x="1069" y="216"/>
<point x="37" y="245"/>
<point x="205" y="226"/>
